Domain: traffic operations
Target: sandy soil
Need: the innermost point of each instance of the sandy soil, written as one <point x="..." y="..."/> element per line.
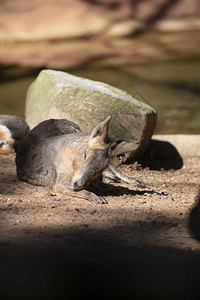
<point x="143" y="244"/>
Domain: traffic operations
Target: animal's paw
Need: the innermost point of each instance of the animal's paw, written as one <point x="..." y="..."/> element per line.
<point x="132" y="181"/>
<point x="140" y="184"/>
<point x="100" y="200"/>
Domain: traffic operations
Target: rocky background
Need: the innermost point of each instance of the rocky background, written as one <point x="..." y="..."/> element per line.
<point x="71" y="33"/>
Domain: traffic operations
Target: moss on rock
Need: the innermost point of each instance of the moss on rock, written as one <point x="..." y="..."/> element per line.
<point x="56" y="94"/>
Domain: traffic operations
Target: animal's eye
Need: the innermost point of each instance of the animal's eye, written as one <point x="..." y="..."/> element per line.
<point x="84" y="155"/>
<point x="2" y="143"/>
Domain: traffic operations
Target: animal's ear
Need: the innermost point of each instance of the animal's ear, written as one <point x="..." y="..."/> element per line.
<point x="99" y="134"/>
<point x="122" y="147"/>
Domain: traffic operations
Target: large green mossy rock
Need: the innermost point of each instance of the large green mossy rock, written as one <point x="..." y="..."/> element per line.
<point x="56" y="94"/>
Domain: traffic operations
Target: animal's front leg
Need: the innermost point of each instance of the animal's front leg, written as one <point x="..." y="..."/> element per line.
<point x="92" y="196"/>
<point x="113" y="174"/>
<point x="65" y="188"/>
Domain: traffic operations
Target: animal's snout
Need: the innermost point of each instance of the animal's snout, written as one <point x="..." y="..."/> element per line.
<point x="74" y="185"/>
<point x="77" y="184"/>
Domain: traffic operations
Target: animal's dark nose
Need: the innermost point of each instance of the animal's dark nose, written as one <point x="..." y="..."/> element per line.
<point x="77" y="184"/>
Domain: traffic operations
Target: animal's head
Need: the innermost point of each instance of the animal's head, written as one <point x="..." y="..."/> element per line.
<point x="92" y="157"/>
<point x="6" y="140"/>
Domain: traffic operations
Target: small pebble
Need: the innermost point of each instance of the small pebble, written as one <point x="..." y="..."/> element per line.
<point x="142" y="201"/>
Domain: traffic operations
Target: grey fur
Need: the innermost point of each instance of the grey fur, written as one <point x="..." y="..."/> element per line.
<point x="56" y="153"/>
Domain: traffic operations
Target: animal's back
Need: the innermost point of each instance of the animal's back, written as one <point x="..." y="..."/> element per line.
<point x="54" y="127"/>
<point x="40" y="154"/>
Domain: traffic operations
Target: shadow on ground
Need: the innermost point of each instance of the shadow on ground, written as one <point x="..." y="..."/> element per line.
<point x="194" y="222"/>
<point x="161" y="154"/>
<point x="96" y="265"/>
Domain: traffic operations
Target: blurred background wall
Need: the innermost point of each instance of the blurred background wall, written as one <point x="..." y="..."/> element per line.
<point x="72" y="33"/>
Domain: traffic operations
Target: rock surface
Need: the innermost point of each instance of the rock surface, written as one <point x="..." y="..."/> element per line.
<point x="56" y="94"/>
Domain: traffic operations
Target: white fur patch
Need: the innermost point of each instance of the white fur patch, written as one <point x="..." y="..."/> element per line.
<point x="5" y="133"/>
<point x="6" y="140"/>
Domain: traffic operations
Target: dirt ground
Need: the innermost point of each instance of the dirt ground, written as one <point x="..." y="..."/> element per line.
<point x="143" y="244"/>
